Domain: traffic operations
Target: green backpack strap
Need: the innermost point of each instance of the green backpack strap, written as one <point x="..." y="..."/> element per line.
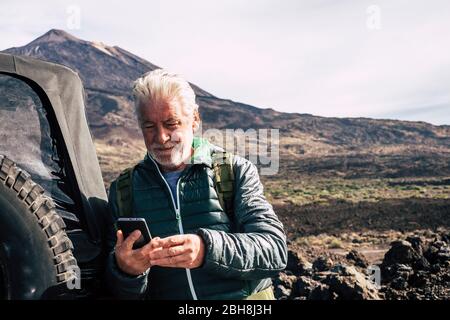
<point x="222" y="163"/>
<point x="124" y="193"/>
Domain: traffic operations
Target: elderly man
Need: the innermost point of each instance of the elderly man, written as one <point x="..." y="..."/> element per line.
<point x="199" y="250"/>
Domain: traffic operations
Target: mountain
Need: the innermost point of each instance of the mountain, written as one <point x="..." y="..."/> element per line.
<point x="436" y="113"/>
<point x="308" y="144"/>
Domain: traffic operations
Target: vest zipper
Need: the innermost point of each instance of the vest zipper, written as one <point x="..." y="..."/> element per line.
<point x="180" y="227"/>
<point x="180" y="224"/>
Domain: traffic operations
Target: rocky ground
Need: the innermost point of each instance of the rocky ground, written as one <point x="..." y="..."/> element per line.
<point x="416" y="268"/>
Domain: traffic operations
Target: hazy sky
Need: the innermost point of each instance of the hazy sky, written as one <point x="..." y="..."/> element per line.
<point x="331" y="58"/>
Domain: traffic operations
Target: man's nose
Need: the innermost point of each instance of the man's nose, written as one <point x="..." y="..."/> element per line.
<point x="162" y="136"/>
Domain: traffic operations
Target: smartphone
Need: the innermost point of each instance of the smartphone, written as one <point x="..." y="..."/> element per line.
<point x="128" y="225"/>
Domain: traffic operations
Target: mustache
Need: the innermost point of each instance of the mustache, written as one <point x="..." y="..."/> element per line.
<point x="167" y="145"/>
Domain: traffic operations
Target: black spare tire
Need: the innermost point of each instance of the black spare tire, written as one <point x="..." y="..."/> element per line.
<point x="36" y="258"/>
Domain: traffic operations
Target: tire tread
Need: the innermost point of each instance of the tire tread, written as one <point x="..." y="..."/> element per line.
<point x="43" y="209"/>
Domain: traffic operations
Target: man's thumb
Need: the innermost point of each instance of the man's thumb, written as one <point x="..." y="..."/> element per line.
<point x="119" y="238"/>
<point x="131" y="239"/>
<point x="136" y="234"/>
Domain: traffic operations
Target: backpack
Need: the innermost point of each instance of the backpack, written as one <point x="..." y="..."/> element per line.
<point x="222" y="164"/>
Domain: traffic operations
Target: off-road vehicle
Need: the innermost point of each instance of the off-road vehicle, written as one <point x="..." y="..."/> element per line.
<point x="52" y="197"/>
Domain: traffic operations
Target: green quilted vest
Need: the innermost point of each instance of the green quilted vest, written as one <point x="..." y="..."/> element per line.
<point x="199" y="207"/>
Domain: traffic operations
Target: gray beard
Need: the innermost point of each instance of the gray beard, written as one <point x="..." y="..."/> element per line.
<point x="175" y="159"/>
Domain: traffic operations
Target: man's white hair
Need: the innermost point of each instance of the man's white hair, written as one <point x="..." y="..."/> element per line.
<point x="160" y="85"/>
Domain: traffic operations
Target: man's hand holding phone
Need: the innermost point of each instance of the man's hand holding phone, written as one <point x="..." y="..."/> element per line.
<point x="179" y="251"/>
<point x="133" y="262"/>
<point x="138" y="251"/>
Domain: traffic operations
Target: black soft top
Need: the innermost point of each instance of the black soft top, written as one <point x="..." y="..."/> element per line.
<point x="62" y="95"/>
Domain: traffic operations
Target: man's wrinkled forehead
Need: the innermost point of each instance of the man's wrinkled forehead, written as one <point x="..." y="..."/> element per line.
<point x="161" y="110"/>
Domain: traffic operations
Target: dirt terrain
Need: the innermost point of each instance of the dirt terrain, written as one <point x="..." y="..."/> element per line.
<point x="400" y="226"/>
